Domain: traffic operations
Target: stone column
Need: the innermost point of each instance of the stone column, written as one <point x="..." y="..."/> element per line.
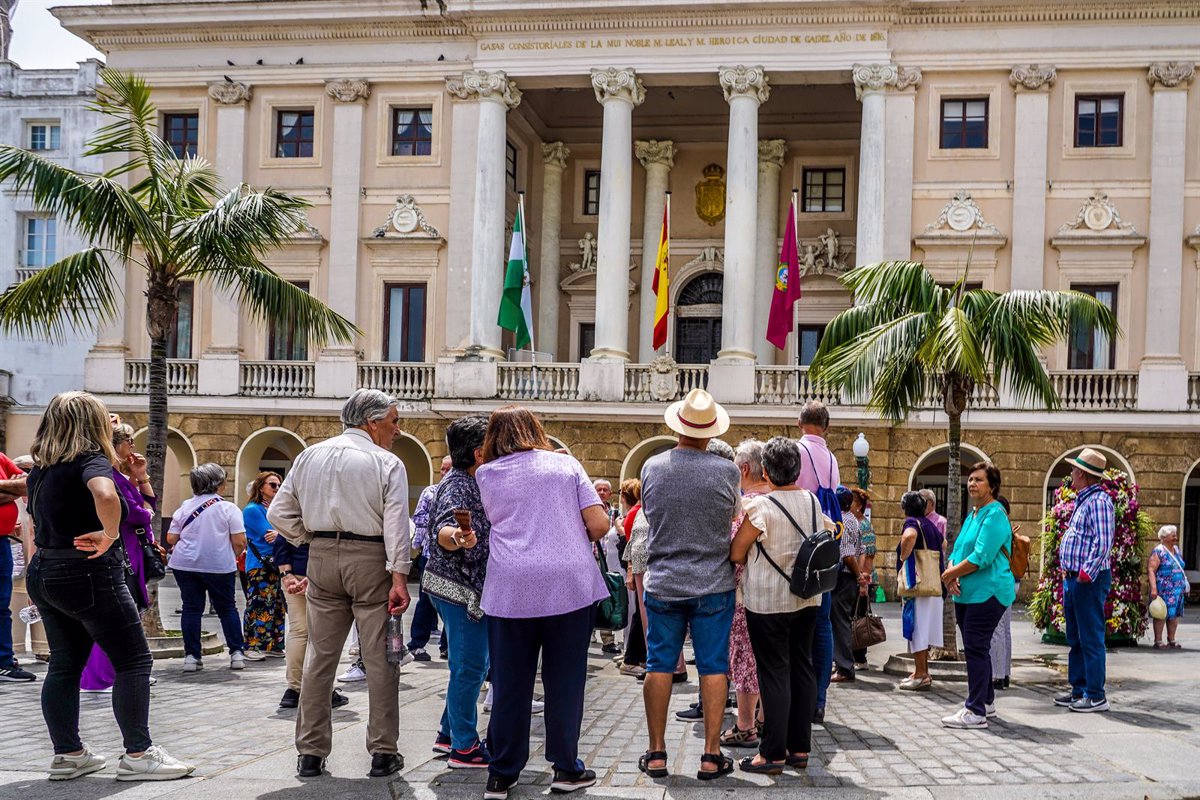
<point x="658" y="157"/>
<point x="1162" y="381"/>
<point x="899" y="109"/>
<point x="1032" y="84"/>
<point x="495" y="94"/>
<point x="619" y="91"/>
<point x="460" y="237"/>
<point x="555" y="155"/>
<point x="771" y="155"/>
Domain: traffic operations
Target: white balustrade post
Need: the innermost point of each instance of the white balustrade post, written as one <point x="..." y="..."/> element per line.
<point x="771" y="155"/>
<point x="1032" y="118"/>
<point x="657" y="157"/>
<point x="554" y="156"/>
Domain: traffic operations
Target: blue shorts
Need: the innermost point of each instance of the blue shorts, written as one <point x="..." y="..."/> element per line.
<point x="709" y="617"/>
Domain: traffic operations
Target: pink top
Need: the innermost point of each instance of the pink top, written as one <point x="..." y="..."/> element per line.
<point x="817" y="463"/>
<point x="938" y="520"/>
<point x="540" y="562"/>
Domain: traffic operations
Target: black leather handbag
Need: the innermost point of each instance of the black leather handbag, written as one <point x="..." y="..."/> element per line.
<point x="153" y="566"/>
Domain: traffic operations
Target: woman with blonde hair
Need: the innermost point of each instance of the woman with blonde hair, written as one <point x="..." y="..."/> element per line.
<point x="77" y="580"/>
<point x="266" y="609"/>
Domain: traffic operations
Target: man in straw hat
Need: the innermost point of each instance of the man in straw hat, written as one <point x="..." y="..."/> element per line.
<point x="689" y="497"/>
<point x="1084" y="556"/>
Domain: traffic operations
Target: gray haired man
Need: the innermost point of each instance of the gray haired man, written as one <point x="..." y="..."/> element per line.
<point x="348" y="496"/>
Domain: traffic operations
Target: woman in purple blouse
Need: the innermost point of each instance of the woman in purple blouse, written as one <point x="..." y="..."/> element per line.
<point x="138" y="499"/>
<point x="539" y="594"/>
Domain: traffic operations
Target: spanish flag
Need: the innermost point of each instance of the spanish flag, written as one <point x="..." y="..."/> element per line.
<point x="662" y="278"/>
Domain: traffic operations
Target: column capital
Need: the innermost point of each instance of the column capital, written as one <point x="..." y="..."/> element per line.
<point x="654" y="151"/>
<point x="772" y="151"/>
<point x="1032" y="78"/>
<point x="555" y="154"/>
<point x="743" y="80"/>
<point x="479" y="85"/>
<point x="620" y="84"/>
<point x="348" y="91"/>
<point x="229" y="93"/>
<point x="1171" y="75"/>
<point x="881" y="77"/>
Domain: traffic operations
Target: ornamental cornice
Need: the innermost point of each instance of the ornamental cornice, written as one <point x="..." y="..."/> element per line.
<point x="655" y="151"/>
<point x="555" y="154"/>
<point x="1097" y="223"/>
<point x="479" y="85"/>
<point x="229" y="93"/>
<point x="1032" y="78"/>
<point x="961" y="219"/>
<point x="772" y="151"/>
<point x="348" y="91"/>
<point x="881" y="77"/>
<point x="618" y="83"/>
<point x="1171" y="75"/>
<point x="743" y="81"/>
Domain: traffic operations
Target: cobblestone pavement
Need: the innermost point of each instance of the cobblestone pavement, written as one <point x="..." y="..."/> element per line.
<point x="876" y="742"/>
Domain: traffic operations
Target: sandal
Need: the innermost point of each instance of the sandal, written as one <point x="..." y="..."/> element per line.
<point x="766" y="768"/>
<point x="724" y="766"/>
<point x="653" y="755"/>
<point x="798" y="762"/>
<point x="1175" y="645"/>
<point x="736" y="737"/>
<point x="1161" y="646"/>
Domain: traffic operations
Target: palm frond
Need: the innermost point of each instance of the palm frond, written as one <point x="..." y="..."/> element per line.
<point x="74" y="293"/>
<point x="905" y="283"/>
<point x="133" y="131"/>
<point x="880" y="363"/>
<point x="238" y="228"/>
<point x="269" y="298"/>
<point x="954" y="346"/>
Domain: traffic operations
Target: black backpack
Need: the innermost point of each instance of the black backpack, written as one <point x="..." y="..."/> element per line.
<point x="818" y="561"/>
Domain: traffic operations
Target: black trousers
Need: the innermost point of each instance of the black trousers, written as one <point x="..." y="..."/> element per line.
<point x="845" y="596"/>
<point x="782" y="645"/>
<point x="84" y="602"/>
<point x="978" y="622"/>
<point x="635" y="640"/>
<point x="514" y="646"/>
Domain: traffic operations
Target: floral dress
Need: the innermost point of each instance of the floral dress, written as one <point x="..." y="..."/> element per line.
<point x="743" y="671"/>
<point x="1172" y="584"/>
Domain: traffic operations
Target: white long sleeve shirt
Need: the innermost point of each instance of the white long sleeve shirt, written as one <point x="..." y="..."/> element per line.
<point x="348" y="484"/>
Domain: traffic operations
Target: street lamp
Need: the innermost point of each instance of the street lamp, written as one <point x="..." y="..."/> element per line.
<point x="861" y="449"/>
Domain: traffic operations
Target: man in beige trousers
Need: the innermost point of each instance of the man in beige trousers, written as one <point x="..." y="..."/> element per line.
<point x="348" y="498"/>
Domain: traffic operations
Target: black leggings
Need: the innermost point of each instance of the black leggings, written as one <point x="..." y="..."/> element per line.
<point x="635" y="640"/>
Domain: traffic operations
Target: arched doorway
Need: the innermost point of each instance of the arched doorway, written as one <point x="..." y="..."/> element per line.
<point x="698" y="319"/>
<point x="181" y="457"/>
<point x="1062" y="468"/>
<point x="559" y="444"/>
<point x="1189" y="528"/>
<point x="267" y="450"/>
<point x="631" y="467"/>
<point x="930" y="472"/>
<point x="418" y="464"/>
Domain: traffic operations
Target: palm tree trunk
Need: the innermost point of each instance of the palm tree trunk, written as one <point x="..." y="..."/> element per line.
<point x="953" y="522"/>
<point x="156" y="458"/>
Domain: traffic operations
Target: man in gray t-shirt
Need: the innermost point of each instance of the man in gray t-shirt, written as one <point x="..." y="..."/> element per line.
<point x="689" y="498"/>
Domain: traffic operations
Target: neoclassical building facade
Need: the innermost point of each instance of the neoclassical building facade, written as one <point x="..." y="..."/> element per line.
<point x="1050" y="145"/>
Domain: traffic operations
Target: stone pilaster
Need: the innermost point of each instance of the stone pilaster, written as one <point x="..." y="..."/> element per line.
<point x="771" y="155"/>
<point x="1032" y="85"/>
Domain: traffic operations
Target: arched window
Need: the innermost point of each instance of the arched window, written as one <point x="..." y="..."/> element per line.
<point x="698" y="319"/>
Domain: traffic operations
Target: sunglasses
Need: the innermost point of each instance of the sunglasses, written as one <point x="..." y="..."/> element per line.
<point x="273" y="485"/>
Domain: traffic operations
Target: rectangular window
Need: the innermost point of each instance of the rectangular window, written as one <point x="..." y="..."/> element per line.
<point x="179" y="339"/>
<point x="591" y="192"/>
<point x="824" y="190"/>
<point x="41" y="241"/>
<point x="412" y="131"/>
<point x="404" y="322"/>
<point x="283" y="344"/>
<point x="45" y="136"/>
<point x="810" y="340"/>
<point x="964" y="123"/>
<point x="1099" y="120"/>
<point x="182" y="133"/>
<point x="510" y="165"/>
<point x="1089" y="347"/>
<point x="294" y="131"/>
<point x="587" y="339"/>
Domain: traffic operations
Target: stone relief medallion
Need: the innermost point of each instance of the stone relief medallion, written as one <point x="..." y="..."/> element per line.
<point x="960" y="218"/>
<point x="710" y="195"/>
<point x="1097" y="216"/>
<point x="406" y="219"/>
<point x="664" y="379"/>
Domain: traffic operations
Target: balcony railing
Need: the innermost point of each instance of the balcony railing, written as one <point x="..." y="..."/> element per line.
<point x="639" y="381"/>
<point x="521" y="381"/>
<point x="1099" y="390"/>
<point x="789" y="386"/>
<point x="277" y="379"/>
<point x="25" y="273"/>
<point x="403" y="381"/>
<point x="1194" y="391"/>
<point x="181" y="376"/>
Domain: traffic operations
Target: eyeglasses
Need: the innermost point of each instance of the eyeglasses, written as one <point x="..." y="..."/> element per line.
<point x="273" y="485"/>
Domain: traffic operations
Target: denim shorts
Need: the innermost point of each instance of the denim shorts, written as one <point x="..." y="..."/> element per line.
<point x="709" y="617"/>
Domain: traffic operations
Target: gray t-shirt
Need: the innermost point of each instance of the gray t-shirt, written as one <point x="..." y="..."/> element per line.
<point x="688" y="498"/>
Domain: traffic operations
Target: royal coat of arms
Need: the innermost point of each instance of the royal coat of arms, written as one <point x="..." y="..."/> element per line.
<point x="710" y="195"/>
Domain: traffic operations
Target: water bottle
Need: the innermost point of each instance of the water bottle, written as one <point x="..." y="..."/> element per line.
<point x="396" y="651"/>
<point x="30" y="615"/>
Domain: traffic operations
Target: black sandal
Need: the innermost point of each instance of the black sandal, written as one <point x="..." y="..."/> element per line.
<point x="766" y="768"/>
<point x="798" y="762"/>
<point x="653" y="755"/>
<point x="724" y="766"/>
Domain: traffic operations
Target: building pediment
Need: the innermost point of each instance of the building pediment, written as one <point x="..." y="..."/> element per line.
<point x="406" y="222"/>
<point x="1098" y="224"/>
<point x="960" y="223"/>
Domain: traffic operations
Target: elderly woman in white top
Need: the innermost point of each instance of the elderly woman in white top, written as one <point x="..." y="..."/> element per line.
<point x="781" y="624"/>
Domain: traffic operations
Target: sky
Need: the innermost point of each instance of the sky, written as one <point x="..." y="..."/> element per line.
<point x="39" y="42"/>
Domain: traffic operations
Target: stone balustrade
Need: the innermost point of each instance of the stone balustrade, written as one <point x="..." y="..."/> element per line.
<point x="181" y="376"/>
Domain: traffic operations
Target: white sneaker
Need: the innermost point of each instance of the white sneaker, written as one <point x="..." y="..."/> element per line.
<point x="65" y="768"/>
<point x="156" y="764"/>
<point x="354" y="674"/>
<point x="254" y="655"/>
<point x="97" y="691"/>
<point x="989" y="709"/>
<point x="964" y="719"/>
<point x="487" y="701"/>
<point x="237" y="660"/>
<point x="192" y="664"/>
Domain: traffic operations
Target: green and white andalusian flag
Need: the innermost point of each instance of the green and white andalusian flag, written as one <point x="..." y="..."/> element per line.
<point x="516" y="305"/>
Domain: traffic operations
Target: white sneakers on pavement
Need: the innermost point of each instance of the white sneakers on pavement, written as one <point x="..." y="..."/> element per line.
<point x="536" y="707"/>
<point x="156" y="764"/>
<point x="237" y="660"/>
<point x="192" y="664"/>
<point x="68" y="767"/>
<point x="964" y="719"/>
<point x="354" y="674"/>
<point x="254" y="655"/>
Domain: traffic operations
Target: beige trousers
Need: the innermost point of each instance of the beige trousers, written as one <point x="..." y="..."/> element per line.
<point x="37" y="631"/>
<point x="295" y="639"/>
<point x="348" y="582"/>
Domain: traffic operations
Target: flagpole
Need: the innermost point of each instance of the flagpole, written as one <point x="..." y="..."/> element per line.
<point x="667" y="196"/>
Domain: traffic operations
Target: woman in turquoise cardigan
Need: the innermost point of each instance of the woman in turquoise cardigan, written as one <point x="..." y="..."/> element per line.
<point x="981" y="582"/>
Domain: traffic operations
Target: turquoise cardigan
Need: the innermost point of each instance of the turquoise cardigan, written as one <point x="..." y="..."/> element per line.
<point x="983" y="535"/>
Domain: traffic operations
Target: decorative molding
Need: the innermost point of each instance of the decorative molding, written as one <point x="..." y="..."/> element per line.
<point x="622" y="84"/>
<point x="828" y="255"/>
<point x="308" y="234"/>
<point x="406" y="221"/>
<point x="1098" y="223"/>
<point x="655" y="151"/>
<point x="555" y="154"/>
<point x="961" y="216"/>
<point x="710" y="195"/>
<point x="1032" y="78"/>
<point x="743" y="80"/>
<point x="709" y="259"/>
<point x="229" y="93"/>
<point x="881" y="77"/>
<point x="476" y="84"/>
<point x="350" y="90"/>
<point x="664" y="378"/>
<point x="1170" y="74"/>
<point x="772" y="151"/>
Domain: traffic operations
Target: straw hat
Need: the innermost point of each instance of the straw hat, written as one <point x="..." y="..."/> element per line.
<point x="1090" y="461"/>
<point x="697" y="415"/>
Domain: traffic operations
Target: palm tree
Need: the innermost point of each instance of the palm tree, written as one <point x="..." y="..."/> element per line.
<point x="906" y="334"/>
<point x="167" y="215"/>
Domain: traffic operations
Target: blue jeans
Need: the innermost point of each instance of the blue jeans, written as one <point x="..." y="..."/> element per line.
<point x="425" y="617"/>
<point x="193" y="586"/>
<point x="709" y="617"/>
<point x="822" y="648"/>
<point x="1083" y="607"/>
<point x="468" y="667"/>
<point x="6" y="585"/>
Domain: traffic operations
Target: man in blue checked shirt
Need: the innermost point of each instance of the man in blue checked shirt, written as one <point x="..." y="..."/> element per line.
<point x="425" y="616"/>
<point x="1084" y="556"/>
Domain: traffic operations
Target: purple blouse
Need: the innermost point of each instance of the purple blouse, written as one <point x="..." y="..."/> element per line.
<point x="137" y="517"/>
<point x="540" y="563"/>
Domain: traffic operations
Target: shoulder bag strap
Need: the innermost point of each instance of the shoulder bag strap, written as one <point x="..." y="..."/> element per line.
<point x="200" y="510"/>
<point x="814" y="465"/>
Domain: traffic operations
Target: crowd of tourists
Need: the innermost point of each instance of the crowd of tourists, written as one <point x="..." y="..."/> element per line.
<point x="756" y="553"/>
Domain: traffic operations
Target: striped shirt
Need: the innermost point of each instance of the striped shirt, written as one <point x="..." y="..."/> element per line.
<point x="764" y="590"/>
<point x="1088" y="542"/>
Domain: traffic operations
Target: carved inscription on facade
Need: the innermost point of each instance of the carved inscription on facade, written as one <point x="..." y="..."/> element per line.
<point x="700" y="42"/>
